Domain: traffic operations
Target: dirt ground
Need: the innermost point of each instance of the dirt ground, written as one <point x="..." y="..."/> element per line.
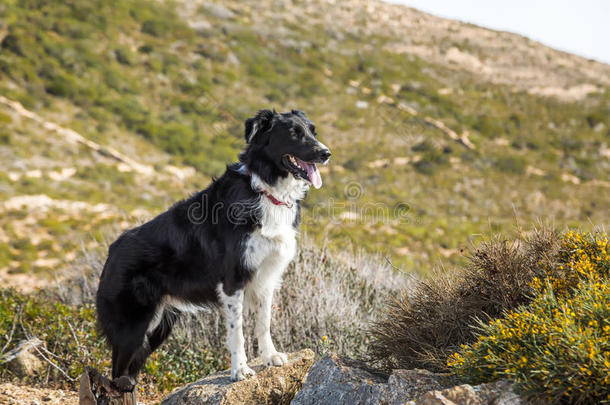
<point x="11" y="394"/>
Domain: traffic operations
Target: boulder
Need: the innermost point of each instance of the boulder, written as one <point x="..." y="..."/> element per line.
<point x="338" y="380"/>
<point x="22" y="360"/>
<point x="496" y="393"/>
<point x="270" y="385"/>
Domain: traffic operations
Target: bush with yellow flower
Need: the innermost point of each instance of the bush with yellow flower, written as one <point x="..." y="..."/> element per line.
<point x="557" y="347"/>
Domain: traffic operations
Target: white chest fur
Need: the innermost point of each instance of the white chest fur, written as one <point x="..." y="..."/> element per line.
<point x="271" y="247"/>
<point x="274" y="243"/>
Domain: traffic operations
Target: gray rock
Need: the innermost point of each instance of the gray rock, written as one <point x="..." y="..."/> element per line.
<point x="270" y="385"/>
<point x="337" y="380"/>
<point x="406" y="384"/>
<point x="22" y="360"/>
<point x="219" y="11"/>
<point x="497" y="393"/>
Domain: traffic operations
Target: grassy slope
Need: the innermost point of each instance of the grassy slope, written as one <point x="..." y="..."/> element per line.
<point x="134" y="75"/>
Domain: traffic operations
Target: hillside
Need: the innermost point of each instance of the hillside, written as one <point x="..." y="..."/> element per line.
<point x="440" y="130"/>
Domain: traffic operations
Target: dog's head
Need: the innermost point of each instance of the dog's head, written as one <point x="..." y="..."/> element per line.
<point x="281" y="144"/>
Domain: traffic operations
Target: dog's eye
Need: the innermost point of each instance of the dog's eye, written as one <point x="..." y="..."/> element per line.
<point x="298" y="131"/>
<point x="312" y="128"/>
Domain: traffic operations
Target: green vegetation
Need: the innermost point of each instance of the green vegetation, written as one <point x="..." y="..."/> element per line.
<point x="69" y="333"/>
<point x="535" y="311"/>
<point x="72" y="342"/>
<point x="557" y="348"/>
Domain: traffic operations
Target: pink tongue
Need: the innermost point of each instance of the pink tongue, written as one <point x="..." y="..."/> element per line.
<point x="314" y="175"/>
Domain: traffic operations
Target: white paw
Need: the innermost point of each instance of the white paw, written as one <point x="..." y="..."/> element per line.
<point x="275" y="359"/>
<point x="241" y="373"/>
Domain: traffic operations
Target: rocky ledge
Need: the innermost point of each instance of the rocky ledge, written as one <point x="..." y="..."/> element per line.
<point x="270" y="385"/>
<point x="336" y="380"/>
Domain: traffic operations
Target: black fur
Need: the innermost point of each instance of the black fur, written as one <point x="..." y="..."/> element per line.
<point x="186" y="251"/>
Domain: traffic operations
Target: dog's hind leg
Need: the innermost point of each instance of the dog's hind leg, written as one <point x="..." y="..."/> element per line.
<point x="120" y="375"/>
<point x="152" y="342"/>
<point x="232" y="306"/>
<point x="124" y="351"/>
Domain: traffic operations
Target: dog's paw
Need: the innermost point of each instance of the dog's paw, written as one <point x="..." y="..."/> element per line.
<point x="241" y="373"/>
<point x="275" y="359"/>
<point x="124" y="383"/>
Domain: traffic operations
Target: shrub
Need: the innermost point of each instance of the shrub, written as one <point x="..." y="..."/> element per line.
<point x="161" y="25"/>
<point x="124" y="56"/>
<point x="426" y="323"/>
<point x="582" y="258"/>
<point x="432" y="157"/>
<point x="69" y="334"/>
<point x="511" y="164"/>
<point x="557" y="348"/>
<point x="63" y="85"/>
<point x="11" y="43"/>
<point x="5" y="137"/>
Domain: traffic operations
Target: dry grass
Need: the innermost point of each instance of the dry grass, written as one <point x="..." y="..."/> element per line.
<point x="427" y="322"/>
<point x="322" y="295"/>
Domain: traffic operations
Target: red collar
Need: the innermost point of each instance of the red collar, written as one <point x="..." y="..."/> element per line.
<point x="267" y="194"/>
<point x="274" y="200"/>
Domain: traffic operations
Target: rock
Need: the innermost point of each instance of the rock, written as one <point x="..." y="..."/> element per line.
<point x="497" y="393"/>
<point x="201" y="26"/>
<point x="270" y="385"/>
<point x="22" y="360"/>
<point x="219" y="11"/>
<point x="339" y="380"/>
<point x="406" y="384"/>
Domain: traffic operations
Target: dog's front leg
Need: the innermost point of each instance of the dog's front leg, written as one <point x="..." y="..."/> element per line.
<point x="232" y="306"/>
<point x="262" y="330"/>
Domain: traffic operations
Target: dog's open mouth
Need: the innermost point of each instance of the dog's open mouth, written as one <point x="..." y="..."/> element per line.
<point x="304" y="170"/>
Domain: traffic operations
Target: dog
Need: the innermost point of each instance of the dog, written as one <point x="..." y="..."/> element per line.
<point x="225" y="246"/>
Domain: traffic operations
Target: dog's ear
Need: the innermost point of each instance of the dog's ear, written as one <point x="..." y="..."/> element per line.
<point x="300" y="113"/>
<point x="260" y="123"/>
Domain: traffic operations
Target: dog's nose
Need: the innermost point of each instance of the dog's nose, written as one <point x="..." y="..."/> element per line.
<point x="324" y="154"/>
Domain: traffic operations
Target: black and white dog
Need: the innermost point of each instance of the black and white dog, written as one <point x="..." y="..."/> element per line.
<point x="227" y="245"/>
